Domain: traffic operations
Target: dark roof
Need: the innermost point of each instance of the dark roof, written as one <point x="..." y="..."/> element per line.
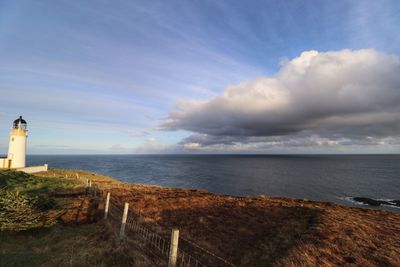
<point x="19" y="120"/>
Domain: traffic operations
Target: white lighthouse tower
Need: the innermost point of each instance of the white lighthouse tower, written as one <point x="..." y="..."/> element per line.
<point x="17" y="145"/>
<point x="16" y="158"/>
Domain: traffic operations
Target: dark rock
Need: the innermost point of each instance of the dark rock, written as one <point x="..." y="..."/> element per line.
<point x="368" y="201"/>
<point x="396" y="203"/>
<point x="377" y="202"/>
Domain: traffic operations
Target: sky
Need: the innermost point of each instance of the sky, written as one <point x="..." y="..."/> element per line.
<point x="263" y="77"/>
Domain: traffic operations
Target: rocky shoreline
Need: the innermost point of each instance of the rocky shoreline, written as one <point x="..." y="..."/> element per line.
<point x="377" y="202"/>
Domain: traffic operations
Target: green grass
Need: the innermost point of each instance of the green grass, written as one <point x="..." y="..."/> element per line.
<point x="26" y="202"/>
<point x="30" y="204"/>
<point x="33" y="185"/>
<point x="84" y="245"/>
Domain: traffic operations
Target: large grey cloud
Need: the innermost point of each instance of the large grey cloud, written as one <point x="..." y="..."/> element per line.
<point x="345" y="94"/>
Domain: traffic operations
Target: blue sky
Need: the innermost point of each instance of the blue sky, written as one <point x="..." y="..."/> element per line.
<point x="103" y="76"/>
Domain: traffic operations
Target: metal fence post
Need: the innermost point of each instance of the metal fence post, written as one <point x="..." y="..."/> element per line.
<point x="107" y="205"/>
<point x="173" y="250"/>
<point x="123" y="222"/>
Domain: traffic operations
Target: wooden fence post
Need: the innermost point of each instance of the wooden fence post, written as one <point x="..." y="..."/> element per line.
<point x="90" y="183"/>
<point x="173" y="250"/>
<point x="123" y="222"/>
<point x="107" y="205"/>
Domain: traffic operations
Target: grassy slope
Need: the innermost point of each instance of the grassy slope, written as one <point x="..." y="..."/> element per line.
<point x="84" y="245"/>
<point x="264" y="231"/>
<point x="254" y="231"/>
<point x="31" y="234"/>
<point x="25" y="200"/>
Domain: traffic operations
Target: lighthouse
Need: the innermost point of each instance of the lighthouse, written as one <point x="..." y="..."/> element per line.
<point x="16" y="157"/>
<point x="17" y="145"/>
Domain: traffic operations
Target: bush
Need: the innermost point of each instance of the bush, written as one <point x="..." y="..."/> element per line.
<point x="25" y="200"/>
<point x="43" y="203"/>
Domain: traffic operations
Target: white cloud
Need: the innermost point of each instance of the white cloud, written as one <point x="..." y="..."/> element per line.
<point x="151" y="140"/>
<point x="135" y="133"/>
<point x="334" y="95"/>
<point x="192" y="146"/>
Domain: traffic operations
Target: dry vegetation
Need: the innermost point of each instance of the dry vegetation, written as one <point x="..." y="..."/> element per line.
<point x="251" y="231"/>
<point x="264" y="231"/>
<point x="93" y="244"/>
<point x="26" y="201"/>
<point x="49" y="220"/>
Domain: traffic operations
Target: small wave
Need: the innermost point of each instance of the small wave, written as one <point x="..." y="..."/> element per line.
<point x="350" y="199"/>
<point x="365" y="201"/>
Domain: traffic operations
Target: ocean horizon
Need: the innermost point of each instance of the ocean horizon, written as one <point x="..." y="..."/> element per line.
<point x="319" y="177"/>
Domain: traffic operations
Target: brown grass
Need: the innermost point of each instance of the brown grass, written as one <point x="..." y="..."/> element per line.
<point x="264" y="231"/>
<point x="93" y="244"/>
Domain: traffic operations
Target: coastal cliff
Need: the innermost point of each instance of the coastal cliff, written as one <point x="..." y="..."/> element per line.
<point x="254" y="230"/>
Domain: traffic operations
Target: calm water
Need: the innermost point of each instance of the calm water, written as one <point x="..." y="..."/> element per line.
<point x="327" y="178"/>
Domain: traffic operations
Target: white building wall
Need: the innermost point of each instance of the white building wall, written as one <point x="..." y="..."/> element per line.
<point x="17" y="149"/>
<point x="4" y="163"/>
<point x="34" y="169"/>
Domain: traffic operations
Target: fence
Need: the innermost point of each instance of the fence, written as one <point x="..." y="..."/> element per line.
<point x="173" y="250"/>
<point x="91" y="188"/>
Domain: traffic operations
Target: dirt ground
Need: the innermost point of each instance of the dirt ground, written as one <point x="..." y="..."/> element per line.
<point x="264" y="231"/>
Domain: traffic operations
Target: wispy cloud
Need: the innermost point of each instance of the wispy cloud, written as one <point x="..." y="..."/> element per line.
<point x="133" y="133"/>
<point x="97" y="68"/>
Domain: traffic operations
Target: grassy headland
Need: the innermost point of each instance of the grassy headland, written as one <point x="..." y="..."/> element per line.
<point x="248" y="231"/>
<point x="26" y="201"/>
<point x="49" y="220"/>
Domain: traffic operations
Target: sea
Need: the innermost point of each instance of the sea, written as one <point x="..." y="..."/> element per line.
<point x="334" y="178"/>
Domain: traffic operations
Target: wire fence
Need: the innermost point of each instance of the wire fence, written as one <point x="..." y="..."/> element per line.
<point x="209" y="254"/>
<point x="157" y="242"/>
<point x="150" y="238"/>
<point x="188" y="254"/>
